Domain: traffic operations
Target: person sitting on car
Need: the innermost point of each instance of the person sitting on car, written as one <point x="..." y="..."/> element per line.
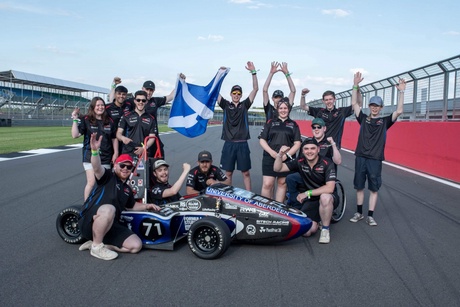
<point x="102" y="209"/>
<point x="161" y="191"/>
<point x="204" y="175"/>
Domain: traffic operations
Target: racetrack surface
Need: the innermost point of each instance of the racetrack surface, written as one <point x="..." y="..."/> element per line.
<point x="409" y="259"/>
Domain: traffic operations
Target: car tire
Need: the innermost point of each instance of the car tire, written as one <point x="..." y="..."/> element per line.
<point x="67" y="225"/>
<point x="338" y="212"/>
<point x="209" y="238"/>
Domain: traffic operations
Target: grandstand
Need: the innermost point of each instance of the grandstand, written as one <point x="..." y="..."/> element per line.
<point x="29" y="99"/>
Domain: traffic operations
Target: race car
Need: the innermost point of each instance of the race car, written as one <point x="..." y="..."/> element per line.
<point x="210" y="221"/>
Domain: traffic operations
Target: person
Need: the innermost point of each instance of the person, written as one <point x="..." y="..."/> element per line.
<point x="96" y="121"/>
<point x="318" y="174"/>
<point x="102" y="209"/>
<point x="276" y="133"/>
<point x="370" y="149"/>
<point x="327" y="148"/>
<point x="270" y="110"/>
<point x="161" y="191"/>
<point x="134" y="126"/>
<point x="235" y="130"/>
<point x="204" y="175"/>
<point x="119" y="105"/>
<point x="332" y="116"/>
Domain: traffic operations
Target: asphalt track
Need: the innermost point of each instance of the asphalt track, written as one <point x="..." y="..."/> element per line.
<point x="409" y="259"/>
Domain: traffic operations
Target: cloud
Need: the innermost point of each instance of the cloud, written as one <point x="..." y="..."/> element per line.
<point x="54" y="49"/>
<point x="33" y="10"/>
<point x="361" y="70"/>
<point x="214" y="38"/>
<point x="452" y="33"/>
<point x="241" y="1"/>
<point x="252" y="4"/>
<point x="336" y="12"/>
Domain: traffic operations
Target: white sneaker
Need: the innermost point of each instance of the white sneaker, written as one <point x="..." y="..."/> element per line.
<point x="102" y="252"/>
<point x="370" y="221"/>
<point x="357" y="217"/>
<point x="86" y="245"/>
<point x="325" y="237"/>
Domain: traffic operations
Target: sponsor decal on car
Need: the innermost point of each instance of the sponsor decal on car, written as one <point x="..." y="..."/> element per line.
<point x="251" y="230"/>
<point x="140" y="182"/>
<point x="248" y="210"/>
<point x="272" y="223"/>
<point x="263" y="229"/>
<point x="230" y="206"/>
<point x="189" y="220"/>
<point x="193" y="204"/>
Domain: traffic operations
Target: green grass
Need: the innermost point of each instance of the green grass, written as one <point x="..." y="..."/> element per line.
<point x="14" y="139"/>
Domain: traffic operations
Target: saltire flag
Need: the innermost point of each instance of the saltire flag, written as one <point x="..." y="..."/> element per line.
<point x="193" y="105"/>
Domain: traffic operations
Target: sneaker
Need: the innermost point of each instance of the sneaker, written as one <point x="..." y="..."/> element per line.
<point x="370" y="221"/>
<point x="85" y="246"/>
<point x="324" y="238"/>
<point x="102" y="252"/>
<point x="357" y="217"/>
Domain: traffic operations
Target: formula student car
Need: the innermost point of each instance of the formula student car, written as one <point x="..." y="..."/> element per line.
<point x="210" y="222"/>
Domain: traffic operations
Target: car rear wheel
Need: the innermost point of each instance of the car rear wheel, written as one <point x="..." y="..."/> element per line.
<point x="338" y="212"/>
<point x="67" y="225"/>
<point x="209" y="238"/>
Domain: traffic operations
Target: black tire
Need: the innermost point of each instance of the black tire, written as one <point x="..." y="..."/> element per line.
<point x="209" y="238"/>
<point x="338" y="212"/>
<point x="67" y="225"/>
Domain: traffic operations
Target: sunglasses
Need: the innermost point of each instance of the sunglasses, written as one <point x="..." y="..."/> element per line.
<point x="236" y="93"/>
<point x="128" y="166"/>
<point x="316" y="127"/>
<point x="139" y="100"/>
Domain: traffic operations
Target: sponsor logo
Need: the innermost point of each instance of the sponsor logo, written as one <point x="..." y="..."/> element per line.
<point x="208" y="209"/>
<point x="140" y="182"/>
<point x="263" y="214"/>
<point x="193" y="205"/>
<point x="271" y="230"/>
<point x="272" y="223"/>
<point x="251" y="230"/>
<point x="189" y="220"/>
<point x="140" y="166"/>
<point x="248" y="210"/>
<point x="126" y="218"/>
<point x="230" y="206"/>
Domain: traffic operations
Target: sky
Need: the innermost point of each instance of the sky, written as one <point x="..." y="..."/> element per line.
<point x="323" y="42"/>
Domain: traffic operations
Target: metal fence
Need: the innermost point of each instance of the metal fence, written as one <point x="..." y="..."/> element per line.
<point x="432" y="93"/>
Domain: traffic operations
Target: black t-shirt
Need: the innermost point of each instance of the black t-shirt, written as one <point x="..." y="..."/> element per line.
<point x="155" y="194"/>
<point x="270" y="112"/>
<point x="137" y="127"/>
<point x="197" y="179"/>
<point x="235" y="126"/>
<point x="111" y="190"/>
<point x="322" y="172"/>
<point x="334" y="120"/>
<point x="278" y="133"/>
<point x="372" y="136"/>
<point x="108" y="132"/>
<point x="115" y="112"/>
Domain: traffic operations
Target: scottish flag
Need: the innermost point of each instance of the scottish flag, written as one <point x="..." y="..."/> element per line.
<point x="193" y="105"/>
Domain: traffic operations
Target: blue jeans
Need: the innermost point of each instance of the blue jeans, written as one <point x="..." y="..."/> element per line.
<point x="295" y="184"/>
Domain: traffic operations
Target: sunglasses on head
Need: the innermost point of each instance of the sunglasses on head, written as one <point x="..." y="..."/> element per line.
<point x="128" y="166"/>
<point x="236" y="93"/>
<point x="316" y="127"/>
<point x="139" y="100"/>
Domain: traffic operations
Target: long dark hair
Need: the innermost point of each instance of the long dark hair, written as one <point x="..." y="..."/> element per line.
<point x="92" y="114"/>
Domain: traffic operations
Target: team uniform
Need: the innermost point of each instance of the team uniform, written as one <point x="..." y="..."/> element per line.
<point x="313" y="178"/>
<point x="370" y="150"/>
<point x="197" y="179"/>
<point x="137" y="127"/>
<point x="115" y="112"/>
<point x="155" y="194"/>
<point x="109" y="190"/>
<point x="278" y="133"/>
<point x="107" y="130"/>
<point x="270" y="112"/>
<point x="235" y="133"/>
<point x="334" y="120"/>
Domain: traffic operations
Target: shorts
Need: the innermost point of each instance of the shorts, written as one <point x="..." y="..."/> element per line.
<point x="311" y="207"/>
<point x="87" y="166"/>
<point x="267" y="168"/>
<point x="115" y="236"/>
<point x="235" y="152"/>
<point x="369" y="169"/>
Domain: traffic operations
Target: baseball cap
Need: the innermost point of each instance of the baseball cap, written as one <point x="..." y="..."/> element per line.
<point x="121" y="89"/>
<point x="278" y="93"/>
<point x="309" y="141"/>
<point x="318" y="121"/>
<point x="236" y="88"/>
<point x="149" y="85"/>
<point x="204" y="156"/>
<point x="159" y="163"/>
<point x="124" y="158"/>
<point x="377" y="100"/>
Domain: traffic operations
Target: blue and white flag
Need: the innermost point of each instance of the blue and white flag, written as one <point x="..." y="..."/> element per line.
<point x="193" y="105"/>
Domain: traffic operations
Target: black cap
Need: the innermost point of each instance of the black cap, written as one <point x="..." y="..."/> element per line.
<point x="309" y="141"/>
<point x="237" y="88"/>
<point x="121" y="89"/>
<point x="278" y="93"/>
<point x="149" y="85"/>
<point x="204" y="156"/>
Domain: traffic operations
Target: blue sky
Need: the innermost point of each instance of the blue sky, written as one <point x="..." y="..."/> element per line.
<point x="323" y="42"/>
